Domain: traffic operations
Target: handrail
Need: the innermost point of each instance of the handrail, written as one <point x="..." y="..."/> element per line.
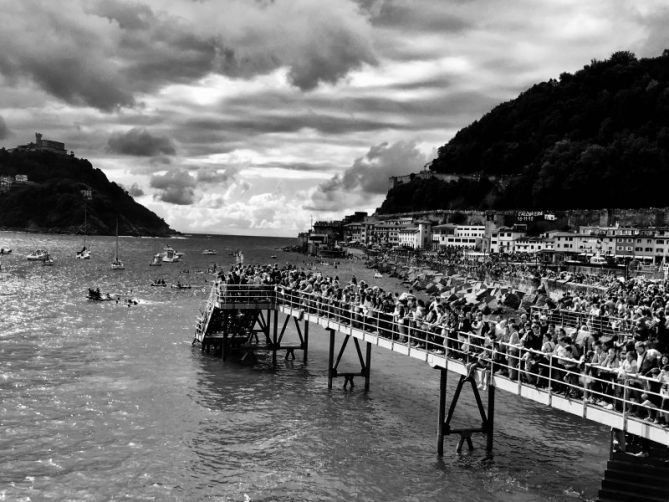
<point x="608" y="325"/>
<point x="594" y="385"/>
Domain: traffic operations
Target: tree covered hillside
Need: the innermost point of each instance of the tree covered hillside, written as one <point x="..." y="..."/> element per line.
<point x="597" y="138"/>
<point x="52" y="200"/>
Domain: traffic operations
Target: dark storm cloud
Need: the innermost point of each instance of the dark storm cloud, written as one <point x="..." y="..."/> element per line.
<point x="107" y="54"/>
<point x="261" y="123"/>
<point x="418" y="16"/>
<point x="298" y="166"/>
<point x="333" y="53"/>
<point x="140" y="142"/>
<point x="369" y="174"/>
<point x="439" y="109"/>
<point x="135" y="190"/>
<point x="176" y="186"/>
<point x="4" y="130"/>
<point x="219" y="176"/>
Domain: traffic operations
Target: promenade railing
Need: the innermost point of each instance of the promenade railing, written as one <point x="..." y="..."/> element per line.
<point x="630" y="395"/>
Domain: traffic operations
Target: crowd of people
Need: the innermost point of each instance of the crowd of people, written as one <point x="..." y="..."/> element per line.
<point x="627" y="371"/>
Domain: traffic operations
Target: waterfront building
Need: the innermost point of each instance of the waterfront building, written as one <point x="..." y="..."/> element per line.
<point x="333" y="229"/>
<point x="460" y="236"/>
<point x="416" y="236"/>
<point x="503" y="239"/>
<point x="533" y="244"/>
<point x="354" y="232"/>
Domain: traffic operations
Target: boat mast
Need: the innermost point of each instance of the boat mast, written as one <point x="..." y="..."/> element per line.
<point x="116" y="259"/>
<point x="85" y="228"/>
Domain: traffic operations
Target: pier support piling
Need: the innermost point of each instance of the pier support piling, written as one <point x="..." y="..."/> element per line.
<point x="365" y="363"/>
<point x="443" y="379"/>
<point x="275" y="326"/>
<point x="368" y="365"/>
<point x="331" y="358"/>
<point x="305" y="343"/>
<point x="466" y="432"/>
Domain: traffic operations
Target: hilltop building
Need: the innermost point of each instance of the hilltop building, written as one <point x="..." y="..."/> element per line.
<point x="43" y="145"/>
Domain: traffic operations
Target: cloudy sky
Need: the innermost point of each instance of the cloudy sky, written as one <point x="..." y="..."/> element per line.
<point x="252" y="117"/>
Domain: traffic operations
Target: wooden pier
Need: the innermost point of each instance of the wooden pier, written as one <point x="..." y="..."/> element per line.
<point x="253" y="318"/>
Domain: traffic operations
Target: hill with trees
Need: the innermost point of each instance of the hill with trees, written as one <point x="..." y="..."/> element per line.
<point x="596" y="139"/>
<point x="54" y="197"/>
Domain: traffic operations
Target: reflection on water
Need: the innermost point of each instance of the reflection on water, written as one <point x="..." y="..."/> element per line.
<point x="103" y="401"/>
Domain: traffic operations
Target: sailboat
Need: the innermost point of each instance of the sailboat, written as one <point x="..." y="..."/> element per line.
<point x="84" y="254"/>
<point x="117" y="264"/>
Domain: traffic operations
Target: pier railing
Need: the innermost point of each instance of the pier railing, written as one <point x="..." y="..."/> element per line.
<point x="577" y="384"/>
<point x="606" y="325"/>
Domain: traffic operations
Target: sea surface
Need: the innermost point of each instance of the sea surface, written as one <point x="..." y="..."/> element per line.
<point x="105" y="401"/>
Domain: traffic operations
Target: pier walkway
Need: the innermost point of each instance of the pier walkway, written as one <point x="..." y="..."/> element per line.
<point x="252" y="318"/>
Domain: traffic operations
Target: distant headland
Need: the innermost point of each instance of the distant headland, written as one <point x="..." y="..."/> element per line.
<point x="43" y="188"/>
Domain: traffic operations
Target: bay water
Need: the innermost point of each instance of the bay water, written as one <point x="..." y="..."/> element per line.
<point x="110" y="400"/>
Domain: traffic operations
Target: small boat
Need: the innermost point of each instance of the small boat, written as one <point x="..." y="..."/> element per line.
<point x="273" y="257"/>
<point x="378" y="275"/>
<point x="38" y="255"/>
<point x="47" y="261"/>
<point x="5" y="250"/>
<point x="170" y="255"/>
<point x="209" y="251"/>
<point x="117" y="264"/>
<point x="159" y="282"/>
<point x="181" y="286"/>
<point x="157" y="260"/>
<point x="85" y="253"/>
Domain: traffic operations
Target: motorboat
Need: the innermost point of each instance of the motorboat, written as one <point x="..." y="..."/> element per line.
<point x="378" y="275"/>
<point x="159" y="283"/>
<point x="157" y="260"/>
<point x="5" y="251"/>
<point x="181" y="286"/>
<point x="170" y="255"/>
<point x="117" y="264"/>
<point x="209" y="251"/>
<point x="38" y="255"/>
